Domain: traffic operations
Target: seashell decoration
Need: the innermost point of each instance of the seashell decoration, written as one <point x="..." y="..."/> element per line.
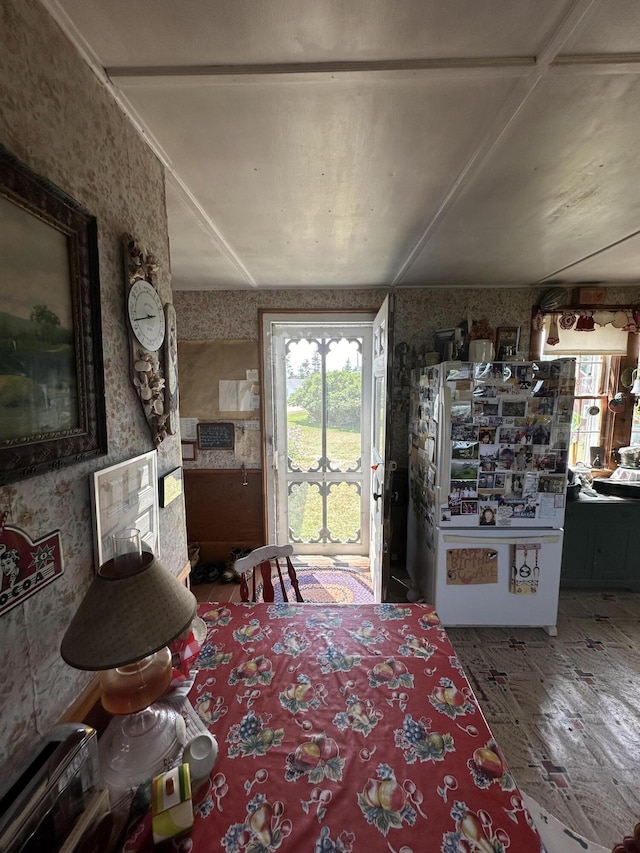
<point x="147" y="378"/>
<point x="150" y="384"/>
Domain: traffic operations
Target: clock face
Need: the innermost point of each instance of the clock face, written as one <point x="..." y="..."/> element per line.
<point x="146" y="315"/>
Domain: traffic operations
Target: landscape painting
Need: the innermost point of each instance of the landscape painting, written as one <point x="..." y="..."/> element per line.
<point x="52" y="406"/>
<point x="38" y="384"/>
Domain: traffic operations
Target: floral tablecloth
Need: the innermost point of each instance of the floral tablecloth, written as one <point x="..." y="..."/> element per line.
<point x="344" y="728"/>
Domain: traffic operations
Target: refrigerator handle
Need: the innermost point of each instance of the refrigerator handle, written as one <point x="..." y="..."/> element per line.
<point x="462" y="539"/>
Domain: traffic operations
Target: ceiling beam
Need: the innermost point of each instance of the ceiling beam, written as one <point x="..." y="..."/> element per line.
<point x="506" y="115"/>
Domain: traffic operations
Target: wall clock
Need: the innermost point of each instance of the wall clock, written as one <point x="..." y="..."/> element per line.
<point x="147" y="326"/>
<point x="171" y="369"/>
<point x="146" y="315"/>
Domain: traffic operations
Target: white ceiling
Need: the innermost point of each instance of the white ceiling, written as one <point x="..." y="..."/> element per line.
<point x="329" y="143"/>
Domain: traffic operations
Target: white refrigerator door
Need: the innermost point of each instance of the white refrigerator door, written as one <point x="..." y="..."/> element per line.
<point x="541" y="510"/>
<point x="498" y="577"/>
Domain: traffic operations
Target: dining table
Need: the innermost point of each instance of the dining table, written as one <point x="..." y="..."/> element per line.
<point x="340" y="729"/>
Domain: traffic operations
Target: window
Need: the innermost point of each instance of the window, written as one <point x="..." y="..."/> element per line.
<point x="635" y="423"/>
<point x="601" y="343"/>
<point x="588" y="422"/>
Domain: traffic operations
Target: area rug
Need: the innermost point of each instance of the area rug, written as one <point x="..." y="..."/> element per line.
<point x="328" y="586"/>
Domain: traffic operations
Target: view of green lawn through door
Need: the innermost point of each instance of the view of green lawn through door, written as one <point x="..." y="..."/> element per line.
<point x="324" y="438"/>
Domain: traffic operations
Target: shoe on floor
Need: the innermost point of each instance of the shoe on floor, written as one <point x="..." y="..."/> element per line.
<point x="207" y="572"/>
<point x="229" y="575"/>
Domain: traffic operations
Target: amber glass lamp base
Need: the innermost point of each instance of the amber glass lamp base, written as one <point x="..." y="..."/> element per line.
<point x="147" y="740"/>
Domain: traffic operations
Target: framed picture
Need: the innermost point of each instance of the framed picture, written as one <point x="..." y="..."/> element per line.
<point x="189" y="451"/>
<point x="507" y="341"/>
<point x="170" y="487"/>
<point x="125" y="495"/>
<point x="52" y="409"/>
<point x="447" y="343"/>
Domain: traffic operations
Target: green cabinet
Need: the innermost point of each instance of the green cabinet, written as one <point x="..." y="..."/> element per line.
<point x="601" y="544"/>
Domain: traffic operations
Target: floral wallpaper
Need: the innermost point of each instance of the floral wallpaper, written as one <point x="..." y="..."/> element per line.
<point x="59" y="120"/>
<point x="419" y="312"/>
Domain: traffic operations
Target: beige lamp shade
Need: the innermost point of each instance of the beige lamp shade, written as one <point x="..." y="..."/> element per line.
<point x="123" y="619"/>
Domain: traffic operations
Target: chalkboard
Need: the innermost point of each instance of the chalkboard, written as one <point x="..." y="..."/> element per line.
<point x="216" y="436"/>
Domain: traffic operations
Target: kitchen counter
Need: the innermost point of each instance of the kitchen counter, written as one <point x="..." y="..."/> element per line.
<point x="600" y="548"/>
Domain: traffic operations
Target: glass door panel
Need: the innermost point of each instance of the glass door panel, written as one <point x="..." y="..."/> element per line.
<point x="321" y="435"/>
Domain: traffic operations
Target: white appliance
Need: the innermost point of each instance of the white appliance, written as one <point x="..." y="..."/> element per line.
<point x="487" y="486"/>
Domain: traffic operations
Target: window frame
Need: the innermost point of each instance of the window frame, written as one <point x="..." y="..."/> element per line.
<point x="609" y="378"/>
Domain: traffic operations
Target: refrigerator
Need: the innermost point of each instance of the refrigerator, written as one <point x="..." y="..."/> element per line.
<point x="487" y="489"/>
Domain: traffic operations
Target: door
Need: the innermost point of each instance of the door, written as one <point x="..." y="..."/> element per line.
<point x="317" y="387"/>
<point x="381" y="466"/>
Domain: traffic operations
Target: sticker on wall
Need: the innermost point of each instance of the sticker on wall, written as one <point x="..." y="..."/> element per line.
<point x="466" y="566"/>
<point x="26" y="566"/>
<point x="525" y="571"/>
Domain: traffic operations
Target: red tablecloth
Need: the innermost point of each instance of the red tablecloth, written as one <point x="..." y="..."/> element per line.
<point x="344" y="728"/>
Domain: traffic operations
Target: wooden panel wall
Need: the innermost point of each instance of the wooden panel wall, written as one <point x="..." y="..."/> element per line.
<point x="222" y="513"/>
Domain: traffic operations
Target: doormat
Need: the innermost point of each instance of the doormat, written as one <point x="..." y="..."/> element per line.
<point x="326" y="586"/>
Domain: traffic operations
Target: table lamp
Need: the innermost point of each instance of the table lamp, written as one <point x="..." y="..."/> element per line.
<point x="132" y="610"/>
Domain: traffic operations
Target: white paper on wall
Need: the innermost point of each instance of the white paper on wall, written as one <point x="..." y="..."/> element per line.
<point x="248" y="446"/>
<point x="228" y="395"/>
<point x="189" y="429"/>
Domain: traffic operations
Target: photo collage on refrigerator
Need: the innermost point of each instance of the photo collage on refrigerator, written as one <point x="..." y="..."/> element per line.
<point x="509" y="446"/>
<point x="509" y="427"/>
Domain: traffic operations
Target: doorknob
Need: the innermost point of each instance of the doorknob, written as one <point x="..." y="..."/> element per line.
<point x="376" y="496"/>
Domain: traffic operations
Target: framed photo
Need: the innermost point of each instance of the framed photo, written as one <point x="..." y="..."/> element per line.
<point x="189" y="451"/>
<point x="126" y="495"/>
<point x="52" y="409"/>
<point x="507" y="342"/>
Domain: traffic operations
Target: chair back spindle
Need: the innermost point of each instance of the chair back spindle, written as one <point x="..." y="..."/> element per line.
<point x="262" y="559"/>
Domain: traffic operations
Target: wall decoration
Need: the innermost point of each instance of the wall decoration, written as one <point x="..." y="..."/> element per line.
<point x="189" y="451"/>
<point x="170" y="487"/>
<point x="471" y="566"/>
<point x="26" y="566"/>
<point x="125" y="495"/>
<point x="52" y="410"/>
<point x="147" y="327"/>
<point x="216" y="435"/>
<point x="204" y="365"/>
<point x="507" y="341"/>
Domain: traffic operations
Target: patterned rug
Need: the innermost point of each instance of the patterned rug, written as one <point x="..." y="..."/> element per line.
<point x="324" y="585"/>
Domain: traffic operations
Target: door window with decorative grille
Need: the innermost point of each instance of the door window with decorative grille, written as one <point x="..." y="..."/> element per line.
<point x="320" y="376"/>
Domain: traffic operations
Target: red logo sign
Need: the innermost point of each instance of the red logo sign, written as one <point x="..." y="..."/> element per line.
<point x="26" y="566"/>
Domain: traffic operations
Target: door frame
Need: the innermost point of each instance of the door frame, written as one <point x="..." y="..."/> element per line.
<point x="266" y="317"/>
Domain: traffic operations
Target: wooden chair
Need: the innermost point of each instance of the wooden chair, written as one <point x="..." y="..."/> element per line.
<point x="264" y="558"/>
